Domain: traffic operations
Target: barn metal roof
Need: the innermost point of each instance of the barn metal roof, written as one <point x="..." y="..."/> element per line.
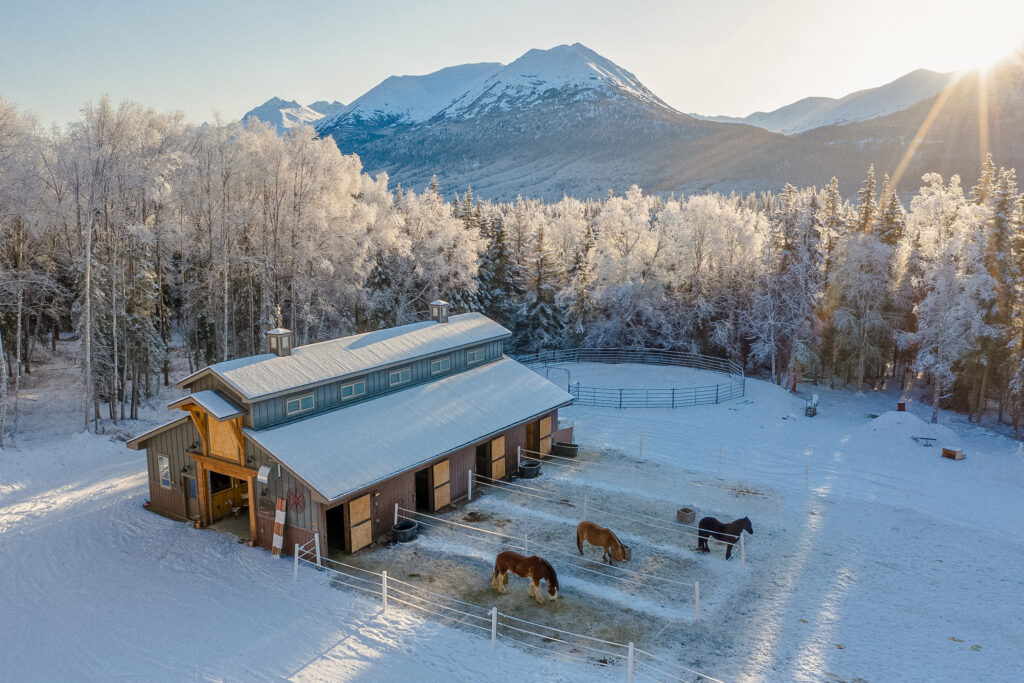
<point x="211" y="401"/>
<point x="267" y="374"/>
<point x="340" y="452"/>
<point x="139" y="442"/>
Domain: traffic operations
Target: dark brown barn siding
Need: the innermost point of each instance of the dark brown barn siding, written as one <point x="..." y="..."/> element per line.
<point x="284" y="486"/>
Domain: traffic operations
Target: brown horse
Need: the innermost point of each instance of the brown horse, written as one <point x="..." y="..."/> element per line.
<point x="533" y="567"/>
<point x="730" y="533"/>
<point x="606" y="538"/>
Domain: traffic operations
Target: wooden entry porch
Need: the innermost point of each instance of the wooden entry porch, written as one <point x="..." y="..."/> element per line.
<point x="209" y="507"/>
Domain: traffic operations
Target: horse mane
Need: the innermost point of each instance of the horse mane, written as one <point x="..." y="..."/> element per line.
<point x="616" y="538"/>
<point x="553" y="580"/>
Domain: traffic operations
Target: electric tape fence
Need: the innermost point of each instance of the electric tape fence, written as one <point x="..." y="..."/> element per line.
<point x="578" y="647"/>
<point x="639" y="579"/>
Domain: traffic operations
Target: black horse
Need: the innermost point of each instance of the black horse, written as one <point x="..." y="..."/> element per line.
<point x="730" y="533"/>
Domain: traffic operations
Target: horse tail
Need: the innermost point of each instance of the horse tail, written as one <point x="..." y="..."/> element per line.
<point x="497" y="560"/>
<point x="579" y="538"/>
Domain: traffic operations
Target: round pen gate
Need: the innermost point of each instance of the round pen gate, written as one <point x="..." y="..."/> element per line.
<point x="549" y="364"/>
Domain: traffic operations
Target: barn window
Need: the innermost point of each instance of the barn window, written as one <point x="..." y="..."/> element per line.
<point x="164" y="464"/>
<point x="353" y="390"/>
<point x="439" y="365"/>
<point x="400" y="376"/>
<point x="474" y="355"/>
<point x="300" y="404"/>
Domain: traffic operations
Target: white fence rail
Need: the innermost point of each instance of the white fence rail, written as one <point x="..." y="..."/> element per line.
<point x="497" y="624"/>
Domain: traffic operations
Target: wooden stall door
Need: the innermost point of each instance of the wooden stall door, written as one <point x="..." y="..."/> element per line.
<point x="442" y="485"/>
<point x="545" y="436"/>
<point x="359" y="522"/>
<point x="498" y="458"/>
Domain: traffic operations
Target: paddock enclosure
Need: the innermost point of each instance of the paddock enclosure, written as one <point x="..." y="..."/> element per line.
<point x="648" y="599"/>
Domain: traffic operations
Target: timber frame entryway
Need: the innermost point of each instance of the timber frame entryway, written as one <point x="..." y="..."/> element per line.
<point x="206" y="464"/>
<point x="223" y="452"/>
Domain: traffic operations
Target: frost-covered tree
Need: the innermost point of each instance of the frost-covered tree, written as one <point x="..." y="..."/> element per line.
<point x="950" y="318"/>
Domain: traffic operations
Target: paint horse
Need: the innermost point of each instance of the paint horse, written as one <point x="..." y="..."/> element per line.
<point x="533" y="567"/>
<point x="606" y="538"/>
<point x="729" y="533"/>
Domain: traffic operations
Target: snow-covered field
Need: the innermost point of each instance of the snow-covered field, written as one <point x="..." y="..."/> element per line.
<point x="872" y="557"/>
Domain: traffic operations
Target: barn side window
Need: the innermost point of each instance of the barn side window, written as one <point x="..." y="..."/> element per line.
<point x="400" y="376"/>
<point x="299" y="405"/>
<point x="439" y="365"/>
<point x="353" y="390"/>
<point x="164" y="465"/>
<point x="474" y="355"/>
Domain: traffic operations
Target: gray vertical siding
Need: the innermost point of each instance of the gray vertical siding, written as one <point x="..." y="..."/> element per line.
<point x="175" y="444"/>
<point x="273" y="411"/>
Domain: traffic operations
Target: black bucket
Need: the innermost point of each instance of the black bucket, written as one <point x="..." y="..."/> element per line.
<point x="565" y="449"/>
<point x="528" y="469"/>
<point x="405" y="530"/>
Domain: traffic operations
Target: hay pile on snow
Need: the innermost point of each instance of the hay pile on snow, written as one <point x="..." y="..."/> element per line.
<point x="895" y="430"/>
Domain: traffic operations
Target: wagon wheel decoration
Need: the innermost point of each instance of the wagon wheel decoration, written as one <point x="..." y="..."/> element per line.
<point x="296" y="499"/>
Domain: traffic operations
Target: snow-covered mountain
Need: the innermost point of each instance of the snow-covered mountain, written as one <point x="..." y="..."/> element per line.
<point x="575" y="70"/>
<point x="402" y="100"/>
<point x="563" y="120"/>
<point x="287" y="114"/>
<point x="816" y="112"/>
<point x="569" y="121"/>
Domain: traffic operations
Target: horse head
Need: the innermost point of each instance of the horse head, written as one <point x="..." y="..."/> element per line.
<point x="625" y="553"/>
<point x="748" y="526"/>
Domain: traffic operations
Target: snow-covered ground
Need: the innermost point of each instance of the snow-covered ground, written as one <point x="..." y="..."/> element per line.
<point x="873" y="558"/>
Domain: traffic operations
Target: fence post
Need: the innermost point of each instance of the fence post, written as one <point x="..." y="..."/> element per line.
<point x="620" y="398"/>
<point x="396" y="513"/>
<point x="526" y="544"/>
<point x="629" y="664"/>
<point x="696" y="600"/>
<point x="719" y="463"/>
<point x="584" y="506"/>
<point x="673" y="398"/>
<point x="469" y="473"/>
<point x="641" y="445"/>
<point x="295" y="569"/>
<point x="494" y="626"/>
<point x="519" y="457"/>
<point x="716" y="394"/>
<point x="743" y="550"/>
<point x="316" y="542"/>
<point x="384" y="588"/>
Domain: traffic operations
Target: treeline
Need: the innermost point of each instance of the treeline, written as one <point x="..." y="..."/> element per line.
<point x="137" y="231"/>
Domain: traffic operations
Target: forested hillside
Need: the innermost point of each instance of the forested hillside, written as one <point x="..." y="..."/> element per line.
<point x="137" y="231"/>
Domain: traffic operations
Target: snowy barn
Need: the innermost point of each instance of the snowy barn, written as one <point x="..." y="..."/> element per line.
<point x="342" y="430"/>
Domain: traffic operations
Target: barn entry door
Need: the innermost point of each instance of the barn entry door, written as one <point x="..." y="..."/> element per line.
<point x="359" y="529"/>
<point x="442" y="485"/>
<point x="498" y="458"/>
<point x="545" y="436"/>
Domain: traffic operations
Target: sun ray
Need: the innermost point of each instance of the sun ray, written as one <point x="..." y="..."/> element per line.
<point x="933" y="113"/>
<point x="983" y="140"/>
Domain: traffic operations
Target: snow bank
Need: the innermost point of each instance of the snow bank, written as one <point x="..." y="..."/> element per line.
<point x="896" y="430"/>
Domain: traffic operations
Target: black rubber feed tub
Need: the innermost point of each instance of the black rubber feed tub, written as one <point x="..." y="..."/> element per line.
<point x="528" y="469"/>
<point x="565" y="449"/>
<point x="405" y="530"/>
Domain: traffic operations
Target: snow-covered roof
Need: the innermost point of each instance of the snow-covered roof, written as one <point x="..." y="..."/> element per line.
<point x="343" y="451"/>
<point x="138" y="442"/>
<point x="211" y="401"/>
<point x="267" y="374"/>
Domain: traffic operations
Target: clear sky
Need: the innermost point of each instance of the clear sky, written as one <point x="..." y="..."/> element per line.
<point x="709" y="56"/>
